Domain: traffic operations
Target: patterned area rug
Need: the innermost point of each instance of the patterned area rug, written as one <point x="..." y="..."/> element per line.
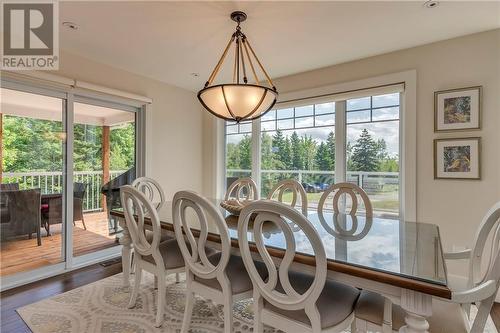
<point x="101" y="307"/>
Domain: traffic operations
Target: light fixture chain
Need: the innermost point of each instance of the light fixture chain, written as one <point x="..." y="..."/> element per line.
<point x="245" y="79"/>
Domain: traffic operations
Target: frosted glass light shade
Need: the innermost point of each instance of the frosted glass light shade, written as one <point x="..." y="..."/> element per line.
<point x="237" y="101"/>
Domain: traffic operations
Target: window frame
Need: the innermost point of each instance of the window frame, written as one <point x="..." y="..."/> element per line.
<point x="339" y="94"/>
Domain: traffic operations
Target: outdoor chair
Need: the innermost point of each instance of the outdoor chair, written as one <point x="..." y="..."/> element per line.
<point x="23" y="209"/>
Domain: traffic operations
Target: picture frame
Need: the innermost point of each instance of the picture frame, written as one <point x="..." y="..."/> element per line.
<point x="457" y="158"/>
<point x="458" y="109"/>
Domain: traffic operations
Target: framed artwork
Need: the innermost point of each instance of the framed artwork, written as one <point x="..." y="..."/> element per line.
<point x="457" y="109"/>
<point x="457" y="158"/>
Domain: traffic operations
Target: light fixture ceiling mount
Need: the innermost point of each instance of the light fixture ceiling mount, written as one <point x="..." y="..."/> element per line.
<point x="239" y="100"/>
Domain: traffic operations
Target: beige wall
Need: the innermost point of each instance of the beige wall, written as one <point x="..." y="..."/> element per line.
<point x="457" y="206"/>
<point x="176" y="121"/>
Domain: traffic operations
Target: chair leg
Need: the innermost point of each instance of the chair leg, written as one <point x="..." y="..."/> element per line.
<point x="257" y="309"/>
<point x="188" y="312"/>
<point x="177" y="279"/>
<point x="228" y="312"/>
<point x="39" y="236"/>
<point x="162" y="295"/>
<point x="83" y="222"/>
<point x="137" y="284"/>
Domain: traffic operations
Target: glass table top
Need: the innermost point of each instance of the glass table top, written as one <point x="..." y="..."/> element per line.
<point x="406" y="249"/>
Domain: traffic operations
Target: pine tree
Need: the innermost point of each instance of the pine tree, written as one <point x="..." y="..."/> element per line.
<point x="309" y="151"/>
<point x="281" y="151"/>
<point x="245" y="150"/>
<point x="365" y="153"/>
<point x="330" y="142"/>
<point x="297" y="152"/>
<point x="323" y="159"/>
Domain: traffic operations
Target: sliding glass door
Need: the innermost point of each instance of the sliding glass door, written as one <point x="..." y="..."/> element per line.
<point x="32" y="151"/>
<point x="104" y="155"/>
<point x="64" y="155"/>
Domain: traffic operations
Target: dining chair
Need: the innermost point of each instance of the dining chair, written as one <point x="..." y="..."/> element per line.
<point x="220" y="277"/>
<point x="296" y="189"/>
<point x="158" y="258"/>
<point x="287" y="300"/>
<point x="449" y="316"/>
<point x="349" y="189"/>
<point x="155" y="194"/>
<point x="151" y="189"/>
<point x="242" y="189"/>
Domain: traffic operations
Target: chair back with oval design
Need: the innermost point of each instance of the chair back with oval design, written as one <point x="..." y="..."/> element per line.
<point x="136" y="208"/>
<point x="296" y="189"/>
<point x="195" y="255"/>
<point x="242" y="189"/>
<point x="349" y="189"/>
<point x="151" y="189"/>
<point x="289" y="298"/>
<point x="490" y="226"/>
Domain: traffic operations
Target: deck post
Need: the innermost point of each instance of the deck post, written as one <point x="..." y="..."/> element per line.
<point x="105" y="162"/>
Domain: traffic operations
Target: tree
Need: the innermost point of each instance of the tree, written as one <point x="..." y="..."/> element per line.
<point x="323" y="159"/>
<point x="245" y="150"/>
<point x="365" y="153"/>
<point x="330" y="142"/>
<point x="296" y="152"/>
<point x="309" y="149"/>
<point x="281" y="150"/>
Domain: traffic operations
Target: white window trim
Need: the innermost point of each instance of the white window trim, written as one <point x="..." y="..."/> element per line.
<point x="408" y="141"/>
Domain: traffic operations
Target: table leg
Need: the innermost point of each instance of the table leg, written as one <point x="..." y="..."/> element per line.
<point x="418" y="306"/>
<point x="126" y="242"/>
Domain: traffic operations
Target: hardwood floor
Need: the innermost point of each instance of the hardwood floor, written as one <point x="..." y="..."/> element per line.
<point x="13" y="299"/>
<point x="22" y="254"/>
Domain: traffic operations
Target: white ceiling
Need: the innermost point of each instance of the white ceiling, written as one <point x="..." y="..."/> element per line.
<point x="168" y="41"/>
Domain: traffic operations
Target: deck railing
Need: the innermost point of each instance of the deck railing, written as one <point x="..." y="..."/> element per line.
<point x="51" y="182"/>
<point x="370" y="181"/>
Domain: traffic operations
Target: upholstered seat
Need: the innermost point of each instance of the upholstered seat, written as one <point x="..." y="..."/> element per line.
<point x="236" y="272"/>
<point x="335" y="303"/>
<point x="446" y="316"/>
<point x="171" y="254"/>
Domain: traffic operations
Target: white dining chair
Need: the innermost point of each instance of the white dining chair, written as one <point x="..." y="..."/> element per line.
<point x="155" y="257"/>
<point x="348" y="189"/>
<point x="242" y="189"/>
<point x="220" y="277"/>
<point x="296" y="189"/>
<point x="287" y="300"/>
<point x="151" y="189"/>
<point x="449" y="316"/>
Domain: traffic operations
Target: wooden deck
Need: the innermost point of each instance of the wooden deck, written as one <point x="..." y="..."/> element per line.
<point x="23" y="254"/>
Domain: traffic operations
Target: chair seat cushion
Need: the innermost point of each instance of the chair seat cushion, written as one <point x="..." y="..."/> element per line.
<point x="446" y="316"/>
<point x="149" y="236"/>
<point x="236" y="272"/>
<point x="171" y="254"/>
<point x="335" y="303"/>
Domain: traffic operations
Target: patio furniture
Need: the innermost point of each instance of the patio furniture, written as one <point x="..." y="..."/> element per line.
<point x="52" y="207"/>
<point x="23" y="209"/>
<point x="4" y="212"/>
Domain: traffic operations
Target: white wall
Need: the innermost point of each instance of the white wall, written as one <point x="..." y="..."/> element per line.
<point x="176" y="121"/>
<point x="456" y="206"/>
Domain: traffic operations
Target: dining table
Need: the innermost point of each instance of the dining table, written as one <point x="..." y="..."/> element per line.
<point x="401" y="260"/>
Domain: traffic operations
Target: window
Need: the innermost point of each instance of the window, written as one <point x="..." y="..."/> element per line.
<point x="299" y="142"/>
<point x="238" y="150"/>
<point x="372" y="149"/>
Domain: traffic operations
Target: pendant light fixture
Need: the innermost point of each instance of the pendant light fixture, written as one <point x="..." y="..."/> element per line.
<point x="239" y="100"/>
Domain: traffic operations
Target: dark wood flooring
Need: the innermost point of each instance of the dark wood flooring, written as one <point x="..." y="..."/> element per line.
<point x="13" y="299"/>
